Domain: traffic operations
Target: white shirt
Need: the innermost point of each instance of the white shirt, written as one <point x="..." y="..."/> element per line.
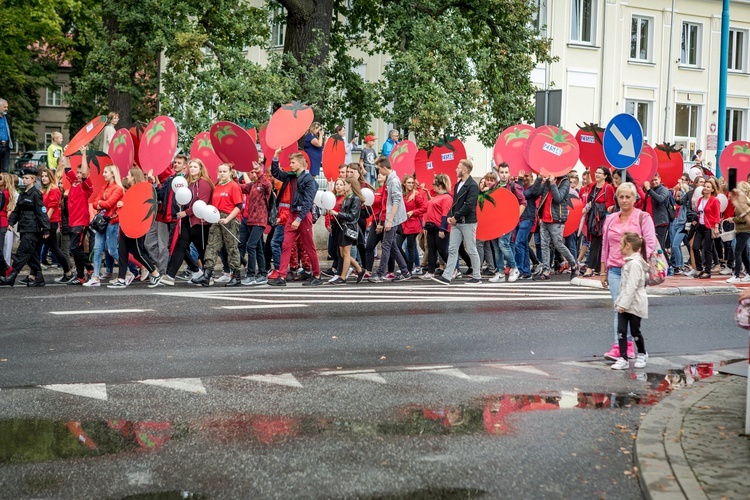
<point x="702" y="205"/>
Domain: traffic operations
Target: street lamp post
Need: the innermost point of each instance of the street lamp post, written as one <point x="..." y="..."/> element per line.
<point x="723" y="63"/>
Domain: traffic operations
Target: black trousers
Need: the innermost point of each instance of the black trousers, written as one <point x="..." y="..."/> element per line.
<point x="4" y="158"/>
<point x="135" y="247"/>
<point x="703" y="247"/>
<point x="373" y="238"/>
<point x="436" y="246"/>
<point x="28" y="253"/>
<point x="81" y="260"/>
<point x="51" y="242"/>
<point x="411" y="248"/>
<point x="197" y="235"/>
<point x="625" y="320"/>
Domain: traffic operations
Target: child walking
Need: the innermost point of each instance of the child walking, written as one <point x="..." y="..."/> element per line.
<point x="632" y="302"/>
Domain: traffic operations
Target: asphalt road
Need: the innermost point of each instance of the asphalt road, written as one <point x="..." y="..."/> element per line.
<point x="377" y="391"/>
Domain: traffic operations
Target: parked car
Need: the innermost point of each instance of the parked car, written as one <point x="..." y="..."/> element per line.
<point x="31" y="159"/>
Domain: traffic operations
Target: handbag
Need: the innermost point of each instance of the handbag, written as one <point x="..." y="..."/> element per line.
<point x="100" y="222"/>
<point x="742" y="315"/>
<point x="351" y="233"/>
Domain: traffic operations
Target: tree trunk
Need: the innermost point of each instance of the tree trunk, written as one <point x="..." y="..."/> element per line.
<point x="118" y="101"/>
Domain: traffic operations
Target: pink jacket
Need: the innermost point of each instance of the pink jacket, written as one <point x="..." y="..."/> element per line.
<point x="614" y="229"/>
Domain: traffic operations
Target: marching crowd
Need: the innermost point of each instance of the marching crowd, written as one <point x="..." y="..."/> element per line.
<point x="264" y="234"/>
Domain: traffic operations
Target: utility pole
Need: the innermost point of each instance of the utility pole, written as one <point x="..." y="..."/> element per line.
<point x="723" y="63"/>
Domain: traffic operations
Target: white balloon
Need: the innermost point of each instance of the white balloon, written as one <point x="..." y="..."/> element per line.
<point x="211" y="214"/>
<point x="179" y="182"/>
<point x="183" y="196"/>
<point x="723" y="201"/>
<point x="369" y="196"/>
<point x="697" y="194"/>
<point x="695" y="172"/>
<point x="328" y="200"/>
<point x="198" y="208"/>
<point x="318" y="197"/>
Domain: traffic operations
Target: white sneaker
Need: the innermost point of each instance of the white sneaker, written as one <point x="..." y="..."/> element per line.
<point x="726" y="271"/>
<point x="145" y="275"/>
<point x="497" y="278"/>
<point x="745" y="279"/>
<point x="225" y="278"/>
<point x="129" y="277"/>
<point x="94" y="281"/>
<point x="692" y="273"/>
<point x="456" y="274"/>
<point x="514" y="275"/>
<point x="641" y="360"/>
<point x="734" y="279"/>
<point x="335" y="277"/>
<point x="620" y="364"/>
<point x="426" y="276"/>
<point x="196" y="275"/>
<point x="166" y="280"/>
<point x="250" y="280"/>
<point x="417" y="271"/>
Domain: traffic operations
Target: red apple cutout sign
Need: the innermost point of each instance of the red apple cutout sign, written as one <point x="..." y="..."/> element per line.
<point x="234" y="145"/>
<point x="138" y="210"/>
<point x="498" y="212"/>
<point x="202" y="149"/>
<point x="443" y="159"/>
<point x="575" y="213"/>
<point x="551" y="151"/>
<point x="402" y="158"/>
<point x="644" y="167"/>
<point x="158" y="145"/>
<point x="589" y="139"/>
<point x="334" y="154"/>
<point x="736" y="155"/>
<point x="509" y="148"/>
<point x="289" y="123"/>
<point x="136" y="132"/>
<point x="122" y="151"/>
<point x="283" y="156"/>
<point x="96" y="162"/>
<point x="85" y="135"/>
<point x="670" y="164"/>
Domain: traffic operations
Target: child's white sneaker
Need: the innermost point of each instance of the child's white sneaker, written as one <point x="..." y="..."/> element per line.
<point x="620" y="364"/>
<point x="641" y="360"/>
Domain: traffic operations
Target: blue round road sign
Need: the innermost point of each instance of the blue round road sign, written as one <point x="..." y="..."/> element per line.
<point x="623" y="141"/>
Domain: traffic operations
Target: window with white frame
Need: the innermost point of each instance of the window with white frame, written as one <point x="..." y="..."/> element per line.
<point x="278" y="27"/>
<point x="686" y="127"/>
<point x="640" y="38"/>
<point x="735" y="129"/>
<point x="539" y="19"/>
<point x="737" y="50"/>
<point x="583" y="21"/>
<point x="692" y="34"/>
<point x="54" y="96"/>
<point x="47" y="139"/>
<point x="641" y="110"/>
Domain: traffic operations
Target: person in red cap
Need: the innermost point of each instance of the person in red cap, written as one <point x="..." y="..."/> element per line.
<point x="367" y="159"/>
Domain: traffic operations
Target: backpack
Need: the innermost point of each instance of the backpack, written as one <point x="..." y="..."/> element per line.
<point x="273" y="209"/>
<point x="671" y="212"/>
<point x="657" y="263"/>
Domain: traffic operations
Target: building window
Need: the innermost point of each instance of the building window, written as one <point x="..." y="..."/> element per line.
<point x="278" y="27"/>
<point x="54" y="96"/>
<point x="691" y="44"/>
<point x="640" y="38"/>
<point x="641" y="110"/>
<point x="47" y="139"/>
<point x="583" y="21"/>
<point x="737" y="50"/>
<point x="687" y="118"/>
<point x="539" y="17"/>
<point x="735" y="125"/>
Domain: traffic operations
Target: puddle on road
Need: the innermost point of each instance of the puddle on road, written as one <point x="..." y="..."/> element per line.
<point x="34" y="440"/>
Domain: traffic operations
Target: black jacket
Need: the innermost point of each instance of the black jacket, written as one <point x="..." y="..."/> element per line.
<point x="30" y="213"/>
<point x="464" y="208"/>
<point x="304" y="187"/>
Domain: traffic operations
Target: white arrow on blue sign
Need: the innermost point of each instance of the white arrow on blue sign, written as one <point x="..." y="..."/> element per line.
<point x="623" y="141"/>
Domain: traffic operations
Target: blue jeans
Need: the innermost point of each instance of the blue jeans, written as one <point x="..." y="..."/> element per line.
<point x="108" y="241"/>
<point x="522" y="246"/>
<point x="676" y="235"/>
<point x="504" y="248"/>
<point x="255" y="251"/>
<point x="613" y="278"/>
<point x="276" y="242"/>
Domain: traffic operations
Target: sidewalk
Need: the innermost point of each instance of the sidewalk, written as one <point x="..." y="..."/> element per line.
<point x="678" y="285"/>
<point x="692" y="444"/>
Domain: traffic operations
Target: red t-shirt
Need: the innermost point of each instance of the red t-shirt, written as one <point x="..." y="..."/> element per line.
<point x="227" y="196"/>
<point x="78" y="203"/>
<point x="52" y="203"/>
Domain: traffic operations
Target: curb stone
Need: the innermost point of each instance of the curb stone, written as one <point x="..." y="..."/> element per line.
<point x="679" y="290"/>
<point x="664" y="471"/>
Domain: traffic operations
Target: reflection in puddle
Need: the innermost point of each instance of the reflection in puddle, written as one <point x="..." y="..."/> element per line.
<point x="27" y="440"/>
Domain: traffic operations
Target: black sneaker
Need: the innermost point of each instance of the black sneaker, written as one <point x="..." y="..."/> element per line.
<point x="525" y="276"/>
<point x="314" y="282"/>
<point x="185" y="275"/>
<point x="277" y="282"/>
<point x="360" y="275"/>
<point x="474" y="281"/>
<point x="441" y="280"/>
<point x="329" y="273"/>
<point x="338" y="281"/>
<point x="403" y="276"/>
<point x="542" y="277"/>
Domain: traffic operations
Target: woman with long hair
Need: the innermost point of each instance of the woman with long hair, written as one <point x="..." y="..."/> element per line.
<point x="741" y="200"/>
<point x="133" y="246"/>
<point x="436" y="223"/>
<point x="7" y="204"/>
<point x="106" y="202"/>
<point x="416" y="205"/>
<point x="359" y="173"/>
<point x="52" y="202"/>
<point x="334" y="232"/>
<point x="709" y="217"/>
<point x="191" y="228"/>
<point x="313" y="146"/>
<point x="347" y="217"/>
<point x="600" y="202"/>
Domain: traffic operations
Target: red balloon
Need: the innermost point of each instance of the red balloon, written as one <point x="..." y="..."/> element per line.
<point x="202" y="149"/>
<point x="551" y="151"/>
<point x="736" y="155"/>
<point x="289" y="123"/>
<point x="498" y="218"/>
<point x="509" y="148"/>
<point x="86" y="135"/>
<point x="158" y="145"/>
<point x="138" y="212"/>
<point x="402" y="158"/>
<point x="591" y="148"/>
<point x="670" y="165"/>
<point x="122" y="151"/>
<point x="645" y="166"/>
<point x="443" y="159"/>
<point x="574" y="217"/>
<point x="96" y="161"/>
<point x="334" y="154"/>
<point x="234" y="145"/>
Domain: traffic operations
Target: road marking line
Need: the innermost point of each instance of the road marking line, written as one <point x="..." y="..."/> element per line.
<point x="301" y="300"/>
<point x="101" y="311"/>
<point x="420" y="368"/>
<point x="346" y="372"/>
<point x="286" y="379"/>
<point x="454" y="372"/>
<point x="95" y="391"/>
<point x="368" y="377"/>
<point x="261" y="306"/>
<point x="591" y="364"/>
<point x="194" y="385"/>
<point x="522" y="368"/>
